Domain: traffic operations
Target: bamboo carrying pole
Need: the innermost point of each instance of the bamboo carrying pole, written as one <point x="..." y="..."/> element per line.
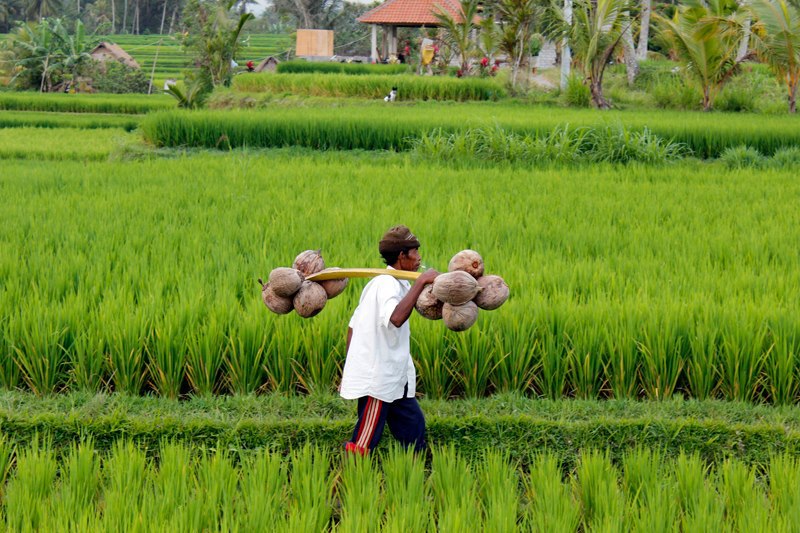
<point x="339" y="273"/>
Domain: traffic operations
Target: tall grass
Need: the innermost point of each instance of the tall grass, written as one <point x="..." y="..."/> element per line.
<point x="372" y="86"/>
<point x="187" y="488"/>
<point x="353" y="69"/>
<point x="84" y="103"/>
<point x="370" y="127"/>
<point x="139" y="277"/>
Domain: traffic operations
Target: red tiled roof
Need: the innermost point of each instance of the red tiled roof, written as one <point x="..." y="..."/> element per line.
<point x="411" y="12"/>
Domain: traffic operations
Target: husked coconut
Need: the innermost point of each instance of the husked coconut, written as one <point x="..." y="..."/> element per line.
<point x="285" y="281"/>
<point x="276" y="304"/>
<point x="455" y="288"/>
<point x="310" y="299"/>
<point x="468" y="261"/>
<point x="494" y="292"/>
<point x="334" y="287"/>
<point x="459" y="317"/>
<point x="309" y="262"/>
<point x="428" y="305"/>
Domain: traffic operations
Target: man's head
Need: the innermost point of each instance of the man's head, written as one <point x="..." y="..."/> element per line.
<point x="400" y="249"/>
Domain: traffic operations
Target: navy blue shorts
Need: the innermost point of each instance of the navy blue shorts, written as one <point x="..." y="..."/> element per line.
<point x="403" y="416"/>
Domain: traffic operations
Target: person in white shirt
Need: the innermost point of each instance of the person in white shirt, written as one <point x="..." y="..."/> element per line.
<point x="378" y="371"/>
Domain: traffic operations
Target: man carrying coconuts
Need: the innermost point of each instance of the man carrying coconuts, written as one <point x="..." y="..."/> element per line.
<point x="378" y="371"/>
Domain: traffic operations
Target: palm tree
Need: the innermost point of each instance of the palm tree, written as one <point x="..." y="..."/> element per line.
<point x="458" y="30"/>
<point x="777" y="41"/>
<point x="516" y="19"/>
<point x="706" y="38"/>
<point x="38" y="9"/>
<point x="597" y="29"/>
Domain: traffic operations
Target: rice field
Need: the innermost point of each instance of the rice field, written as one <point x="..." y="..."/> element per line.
<point x="84" y="103"/>
<point x="60" y="144"/>
<point x="186" y="488"/>
<point x="382" y="126"/>
<point x="627" y="282"/>
<point x="35" y="119"/>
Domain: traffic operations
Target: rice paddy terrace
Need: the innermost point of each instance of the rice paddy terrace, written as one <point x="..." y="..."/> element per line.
<point x="644" y="373"/>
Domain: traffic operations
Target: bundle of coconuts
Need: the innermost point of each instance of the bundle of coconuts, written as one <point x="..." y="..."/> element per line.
<point x="455" y="297"/>
<point x="288" y="289"/>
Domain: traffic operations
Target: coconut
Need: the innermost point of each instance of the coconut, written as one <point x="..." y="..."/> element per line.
<point x="285" y="281"/>
<point x="275" y="303"/>
<point x="494" y="292"/>
<point x="459" y="317"/>
<point x="310" y="299"/>
<point x="428" y="305"/>
<point x="309" y="262"/>
<point x="468" y="261"/>
<point x="455" y="288"/>
<point x="334" y="287"/>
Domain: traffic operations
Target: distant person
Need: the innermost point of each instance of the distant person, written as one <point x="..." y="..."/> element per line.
<point x="379" y="371"/>
<point x="392" y="96"/>
<point x="250" y="66"/>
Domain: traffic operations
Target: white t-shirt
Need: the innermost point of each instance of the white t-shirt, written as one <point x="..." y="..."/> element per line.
<point x="379" y="361"/>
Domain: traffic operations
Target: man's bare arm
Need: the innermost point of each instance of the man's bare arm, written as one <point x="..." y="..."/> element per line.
<point x="406" y="305"/>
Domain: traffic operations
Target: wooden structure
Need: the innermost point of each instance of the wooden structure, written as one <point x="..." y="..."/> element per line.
<point x="109" y="51"/>
<point x="314" y="43"/>
<point x="269" y="64"/>
<point x="394" y="14"/>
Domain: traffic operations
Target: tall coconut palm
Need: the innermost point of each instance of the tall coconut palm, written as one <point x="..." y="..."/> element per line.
<point x="458" y="30"/>
<point x="38" y="9"/>
<point x="516" y="18"/>
<point x="597" y="29"/>
<point x="777" y="41"/>
<point x="706" y="37"/>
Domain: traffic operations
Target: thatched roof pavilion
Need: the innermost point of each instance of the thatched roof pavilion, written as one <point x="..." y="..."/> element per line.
<point x="105" y="51"/>
<point x="394" y="14"/>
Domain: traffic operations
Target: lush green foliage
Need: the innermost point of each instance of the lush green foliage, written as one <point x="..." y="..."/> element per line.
<point x="372" y="86"/>
<point x="84" y="103"/>
<point x="60" y="143"/>
<point x="371" y="128"/>
<point x="15" y="119"/>
<point x="306" y="67"/>
<point x="117" y="78"/>
<point x="192" y="488"/>
<point x="614" y="290"/>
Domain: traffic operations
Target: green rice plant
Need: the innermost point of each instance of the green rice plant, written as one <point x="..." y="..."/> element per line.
<point x="7" y="452"/>
<point x="659" y="515"/>
<point x="27" y="494"/>
<point x="452" y="487"/>
<point x="741" y="156"/>
<point x="245" y="358"/>
<point x="596" y="484"/>
<point x="784" y="485"/>
<point x="742" y="358"/>
<point x="649" y="486"/>
<point x="622" y="364"/>
<point x="86" y="361"/>
<point x="435" y="367"/>
<point x="166" y="357"/>
<point x="690" y="482"/>
<point x="319" y="366"/>
<point x="127" y="474"/>
<point x="662" y="354"/>
<point x="59" y="144"/>
<point x="311" y="484"/>
<point x="476" y="356"/>
<point x="552" y="380"/>
<point x="17" y="119"/>
<point x="83" y="103"/>
<point x="173" y="483"/>
<point x="746" y="507"/>
<point x="9" y="371"/>
<point x="498" y="486"/>
<point x="618" y="144"/>
<point x="788" y="158"/>
<point x="283" y="348"/>
<point x="780" y="369"/>
<point x="80" y="486"/>
<point x="41" y="357"/>
<point x="375" y="86"/>
<point x="586" y="358"/>
<point x="702" y="363"/>
<point x="406" y="499"/>
<point x="205" y="354"/>
<point x="263" y="499"/>
<point x="357" y="69"/>
<point x="551" y="503"/>
<point x="517" y="365"/>
<point x="216" y="490"/>
<point x="359" y="490"/>
<point x="128" y="336"/>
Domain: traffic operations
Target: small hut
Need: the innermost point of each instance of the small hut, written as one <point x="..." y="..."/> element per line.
<point x="269" y="64"/>
<point x="394" y="14"/>
<point x="106" y="51"/>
